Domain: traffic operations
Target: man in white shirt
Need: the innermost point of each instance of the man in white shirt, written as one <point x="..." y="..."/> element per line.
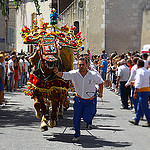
<point x="142" y="86"/>
<point x="21" y="65"/>
<point x="132" y="78"/>
<point x="123" y="76"/>
<point x="4" y="64"/>
<point x="148" y="59"/>
<point x="84" y="82"/>
<point x="144" y="57"/>
<point x="93" y="69"/>
<point x="11" y="72"/>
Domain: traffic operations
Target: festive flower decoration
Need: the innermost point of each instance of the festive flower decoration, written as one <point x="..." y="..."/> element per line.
<point x="45" y="25"/>
<point x="43" y="32"/>
<point x="78" y="36"/>
<point x="73" y="28"/>
<point x="47" y="37"/>
<point x="64" y="35"/>
<point x="49" y="58"/>
<point x="36" y="34"/>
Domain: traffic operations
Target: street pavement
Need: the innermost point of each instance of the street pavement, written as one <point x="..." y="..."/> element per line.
<point x="19" y="128"/>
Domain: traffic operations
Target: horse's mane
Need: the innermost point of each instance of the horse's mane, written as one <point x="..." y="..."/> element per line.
<point x="66" y="54"/>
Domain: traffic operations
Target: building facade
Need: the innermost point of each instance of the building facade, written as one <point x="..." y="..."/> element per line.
<point x="61" y="5"/>
<point x="2" y="33"/>
<point x="123" y="27"/>
<point x="12" y="26"/>
<point x="89" y="18"/>
<point x="145" y="37"/>
<point x="113" y="25"/>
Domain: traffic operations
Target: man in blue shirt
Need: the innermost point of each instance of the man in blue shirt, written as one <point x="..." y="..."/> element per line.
<point x="103" y="69"/>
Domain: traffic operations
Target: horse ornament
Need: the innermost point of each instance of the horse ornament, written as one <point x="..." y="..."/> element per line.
<point x="55" y="48"/>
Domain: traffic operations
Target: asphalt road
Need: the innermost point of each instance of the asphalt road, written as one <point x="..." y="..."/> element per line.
<point x="19" y="128"/>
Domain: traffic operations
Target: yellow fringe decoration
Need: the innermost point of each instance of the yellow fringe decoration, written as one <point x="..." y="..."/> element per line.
<point x="49" y="91"/>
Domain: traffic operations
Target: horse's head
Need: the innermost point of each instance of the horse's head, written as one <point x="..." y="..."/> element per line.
<point x="49" y="56"/>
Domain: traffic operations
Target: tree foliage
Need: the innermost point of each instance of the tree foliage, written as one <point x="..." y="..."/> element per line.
<point x="4" y="4"/>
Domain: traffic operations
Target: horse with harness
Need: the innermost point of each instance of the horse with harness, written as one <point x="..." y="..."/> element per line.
<point x="44" y="86"/>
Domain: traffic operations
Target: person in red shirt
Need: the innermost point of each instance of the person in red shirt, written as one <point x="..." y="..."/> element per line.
<point x="129" y="63"/>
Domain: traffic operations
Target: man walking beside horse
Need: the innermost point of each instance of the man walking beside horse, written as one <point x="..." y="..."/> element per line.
<point x="84" y="82"/>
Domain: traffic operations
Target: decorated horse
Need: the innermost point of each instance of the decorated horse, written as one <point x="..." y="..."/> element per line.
<point x="55" y="48"/>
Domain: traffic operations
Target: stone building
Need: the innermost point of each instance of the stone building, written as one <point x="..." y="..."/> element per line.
<point x="145" y="37"/>
<point x="120" y="25"/>
<point x="61" y="5"/>
<point x="114" y="25"/>
<point x="123" y="24"/>
<point x="11" y="26"/>
<point x="89" y="18"/>
<point x="2" y="33"/>
<point x="7" y="27"/>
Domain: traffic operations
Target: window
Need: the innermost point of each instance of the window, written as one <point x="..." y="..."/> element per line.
<point x="11" y="36"/>
<point x="76" y="31"/>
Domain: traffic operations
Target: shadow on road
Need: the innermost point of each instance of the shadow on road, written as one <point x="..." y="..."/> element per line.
<point x="86" y="141"/>
<point x="17" y="118"/>
<point x="14" y="116"/>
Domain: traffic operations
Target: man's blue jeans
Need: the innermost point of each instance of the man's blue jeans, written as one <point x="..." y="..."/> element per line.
<point x="10" y="78"/>
<point x="25" y="78"/>
<point x="143" y="107"/>
<point x="135" y="101"/>
<point x="82" y="109"/>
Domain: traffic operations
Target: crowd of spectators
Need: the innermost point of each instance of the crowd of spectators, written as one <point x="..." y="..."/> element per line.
<point x="118" y="73"/>
<point x="14" y="69"/>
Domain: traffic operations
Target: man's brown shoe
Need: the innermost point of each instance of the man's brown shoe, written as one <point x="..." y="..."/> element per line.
<point x="146" y="125"/>
<point x="133" y="122"/>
